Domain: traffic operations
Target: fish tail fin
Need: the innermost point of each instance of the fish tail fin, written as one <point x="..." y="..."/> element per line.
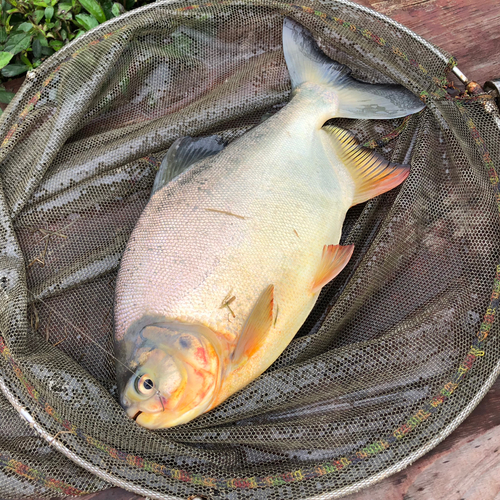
<point x="308" y="64"/>
<point x="305" y="61"/>
<point x="371" y="172"/>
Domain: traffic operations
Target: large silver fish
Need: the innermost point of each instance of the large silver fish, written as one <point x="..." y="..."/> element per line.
<point x="228" y="259"/>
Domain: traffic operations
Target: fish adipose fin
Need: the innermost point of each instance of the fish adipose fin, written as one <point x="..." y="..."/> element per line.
<point x="308" y="64"/>
<point x="182" y="154"/>
<point x="256" y="327"/>
<point x="333" y="260"/>
<point x="372" y="173"/>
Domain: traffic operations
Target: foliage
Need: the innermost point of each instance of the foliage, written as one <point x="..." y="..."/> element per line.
<point x="32" y="30"/>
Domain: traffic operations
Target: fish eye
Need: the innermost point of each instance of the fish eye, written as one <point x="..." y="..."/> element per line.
<point x="144" y="384"/>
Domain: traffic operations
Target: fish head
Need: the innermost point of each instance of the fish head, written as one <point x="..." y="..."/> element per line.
<point x="175" y="374"/>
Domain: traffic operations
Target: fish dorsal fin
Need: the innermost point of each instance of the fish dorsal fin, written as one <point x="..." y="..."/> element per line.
<point x="256" y="328"/>
<point x="306" y="63"/>
<point x="372" y="173"/>
<point x="182" y="154"/>
<point x="333" y="260"/>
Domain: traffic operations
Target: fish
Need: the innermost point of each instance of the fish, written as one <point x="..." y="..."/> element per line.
<point x="237" y="240"/>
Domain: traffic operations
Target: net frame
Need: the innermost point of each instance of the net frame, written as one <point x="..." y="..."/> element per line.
<point x="14" y="387"/>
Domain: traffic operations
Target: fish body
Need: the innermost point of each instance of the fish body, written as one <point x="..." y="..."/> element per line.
<point x="227" y="260"/>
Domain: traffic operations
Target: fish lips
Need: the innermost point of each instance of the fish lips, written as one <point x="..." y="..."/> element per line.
<point x="166" y="419"/>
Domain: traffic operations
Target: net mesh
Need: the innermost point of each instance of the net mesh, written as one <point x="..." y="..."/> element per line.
<point x="399" y="348"/>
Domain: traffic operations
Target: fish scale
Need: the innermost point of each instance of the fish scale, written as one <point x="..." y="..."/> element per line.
<point x="257" y="224"/>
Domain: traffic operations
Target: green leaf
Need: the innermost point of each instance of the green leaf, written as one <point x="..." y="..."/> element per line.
<point x="14" y="70"/>
<point x="6" y="23"/>
<point x="40" y="4"/>
<point x="64" y="11"/>
<point x="36" y="63"/>
<point x="42" y="40"/>
<point x="5" y="95"/>
<point x="56" y="44"/>
<point x="26" y="61"/>
<point x="129" y="4"/>
<point x="18" y="43"/>
<point x="53" y="2"/>
<point x="3" y="34"/>
<point x="94" y="8"/>
<point x="47" y="51"/>
<point x="5" y="58"/>
<point x="37" y="49"/>
<point x="39" y="15"/>
<point x="87" y="22"/>
<point x="25" y="27"/>
<point x="79" y="33"/>
<point x="49" y="12"/>
<point x="15" y="30"/>
<point x="106" y="7"/>
<point x="117" y="9"/>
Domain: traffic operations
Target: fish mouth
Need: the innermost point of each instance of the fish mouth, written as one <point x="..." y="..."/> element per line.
<point x="136" y="415"/>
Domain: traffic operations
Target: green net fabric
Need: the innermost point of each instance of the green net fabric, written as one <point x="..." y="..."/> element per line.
<point x="399" y="348"/>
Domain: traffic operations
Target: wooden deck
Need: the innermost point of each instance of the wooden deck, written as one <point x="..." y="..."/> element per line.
<point x="468" y="29"/>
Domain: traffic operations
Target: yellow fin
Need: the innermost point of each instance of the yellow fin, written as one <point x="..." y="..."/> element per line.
<point x="256" y="327"/>
<point x="372" y="173"/>
<point x="333" y="260"/>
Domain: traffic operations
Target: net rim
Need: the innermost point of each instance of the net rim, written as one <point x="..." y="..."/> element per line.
<point x="370" y="481"/>
<point x="338" y="493"/>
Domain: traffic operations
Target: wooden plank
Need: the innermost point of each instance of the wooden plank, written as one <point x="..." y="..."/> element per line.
<point x="467" y="29"/>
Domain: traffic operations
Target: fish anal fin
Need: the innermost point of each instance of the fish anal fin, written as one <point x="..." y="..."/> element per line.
<point x="333" y="260"/>
<point x="182" y="154"/>
<point x="256" y="328"/>
<point x="371" y="172"/>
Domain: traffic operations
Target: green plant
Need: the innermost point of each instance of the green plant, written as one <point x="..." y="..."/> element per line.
<point x="32" y="30"/>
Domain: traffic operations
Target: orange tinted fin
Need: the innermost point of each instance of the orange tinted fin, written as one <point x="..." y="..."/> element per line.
<point x="333" y="260"/>
<point x="372" y="173"/>
<point x="256" y="327"/>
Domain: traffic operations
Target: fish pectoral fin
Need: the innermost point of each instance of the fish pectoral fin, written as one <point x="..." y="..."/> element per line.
<point x="256" y="327"/>
<point x="371" y="172"/>
<point x="182" y="154"/>
<point x="333" y="260"/>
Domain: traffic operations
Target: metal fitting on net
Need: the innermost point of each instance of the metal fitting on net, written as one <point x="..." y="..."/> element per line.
<point x="493" y="87"/>
<point x="474" y="88"/>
